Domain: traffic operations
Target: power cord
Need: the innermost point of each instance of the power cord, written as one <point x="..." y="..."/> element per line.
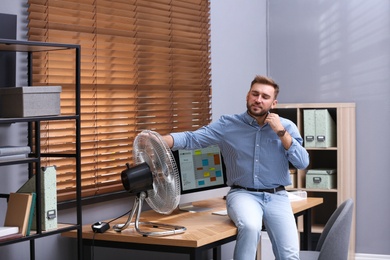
<point x="101" y="227"/>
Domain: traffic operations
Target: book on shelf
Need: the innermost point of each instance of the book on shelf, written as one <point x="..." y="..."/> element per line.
<point x="31" y="216"/>
<point x="14" y="150"/>
<point x="5" y="231"/>
<point x="18" y="211"/>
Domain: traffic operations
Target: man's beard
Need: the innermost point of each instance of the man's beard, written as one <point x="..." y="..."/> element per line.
<point x="260" y="113"/>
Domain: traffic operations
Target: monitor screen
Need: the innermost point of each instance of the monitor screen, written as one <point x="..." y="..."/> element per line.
<point x="200" y="169"/>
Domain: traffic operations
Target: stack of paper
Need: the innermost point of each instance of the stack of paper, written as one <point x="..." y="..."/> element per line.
<point x="9" y="153"/>
<point x="5" y="231"/>
<point x="297" y="195"/>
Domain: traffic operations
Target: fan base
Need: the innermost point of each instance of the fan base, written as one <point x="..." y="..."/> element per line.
<point x="137" y="207"/>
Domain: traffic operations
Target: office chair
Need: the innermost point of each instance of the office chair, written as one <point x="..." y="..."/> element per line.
<point x="334" y="240"/>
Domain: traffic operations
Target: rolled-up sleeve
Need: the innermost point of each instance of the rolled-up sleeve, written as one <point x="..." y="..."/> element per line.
<point x="298" y="155"/>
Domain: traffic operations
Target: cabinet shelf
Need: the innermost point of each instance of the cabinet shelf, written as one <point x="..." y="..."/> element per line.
<point x="322" y="149"/>
<point x="313" y="190"/>
<point x="341" y="157"/>
<point x="33" y="159"/>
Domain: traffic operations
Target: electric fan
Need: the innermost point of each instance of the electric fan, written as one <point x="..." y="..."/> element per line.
<point x="154" y="178"/>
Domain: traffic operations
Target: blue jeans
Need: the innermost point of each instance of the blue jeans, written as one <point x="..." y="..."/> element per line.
<point x="249" y="209"/>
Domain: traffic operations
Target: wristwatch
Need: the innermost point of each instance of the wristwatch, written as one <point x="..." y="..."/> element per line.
<point x="281" y="132"/>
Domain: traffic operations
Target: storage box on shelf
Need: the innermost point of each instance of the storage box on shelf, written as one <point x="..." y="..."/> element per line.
<point x="23" y="102"/>
<point x="30" y="101"/>
<point x="321" y="179"/>
<point x="329" y="133"/>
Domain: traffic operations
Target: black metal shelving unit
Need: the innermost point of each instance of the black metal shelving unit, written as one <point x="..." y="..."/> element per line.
<point x="34" y="126"/>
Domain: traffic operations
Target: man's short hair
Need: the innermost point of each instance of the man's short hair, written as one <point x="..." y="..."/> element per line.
<point x="266" y="81"/>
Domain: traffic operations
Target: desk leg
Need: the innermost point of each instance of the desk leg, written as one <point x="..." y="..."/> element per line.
<point x="306" y="243"/>
<point x="87" y="252"/>
<point x="196" y="254"/>
<point x="217" y="253"/>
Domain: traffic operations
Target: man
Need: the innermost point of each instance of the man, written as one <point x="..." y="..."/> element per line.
<point x="257" y="146"/>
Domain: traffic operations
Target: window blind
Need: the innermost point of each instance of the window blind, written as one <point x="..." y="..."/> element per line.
<point x="145" y="64"/>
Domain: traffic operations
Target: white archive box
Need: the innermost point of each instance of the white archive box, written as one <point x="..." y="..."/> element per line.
<point x="319" y="128"/>
<point x="30" y="101"/>
<point x="321" y="179"/>
<point x="48" y="197"/>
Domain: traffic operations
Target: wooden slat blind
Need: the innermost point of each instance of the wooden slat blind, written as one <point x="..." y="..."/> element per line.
<point x="145" y="65"/>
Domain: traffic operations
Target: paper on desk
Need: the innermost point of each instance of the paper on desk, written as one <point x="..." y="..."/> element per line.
<point x="297" y="195"/>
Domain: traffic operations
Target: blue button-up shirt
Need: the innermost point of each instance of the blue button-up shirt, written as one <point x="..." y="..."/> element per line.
<point x="254" y="155"/>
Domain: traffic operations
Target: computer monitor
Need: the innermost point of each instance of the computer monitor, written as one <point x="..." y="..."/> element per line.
<point x="200" y="170"/>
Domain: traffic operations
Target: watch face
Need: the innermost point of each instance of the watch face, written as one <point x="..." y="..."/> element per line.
<point x="281" y="133"/>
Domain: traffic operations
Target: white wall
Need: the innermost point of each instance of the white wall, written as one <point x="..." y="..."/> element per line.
<point x="339" y="51"/>
<point x="238" y="51"/>
<point x="237" y="55"/>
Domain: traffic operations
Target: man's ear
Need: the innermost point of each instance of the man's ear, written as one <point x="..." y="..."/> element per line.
<point x="274" y="103"/>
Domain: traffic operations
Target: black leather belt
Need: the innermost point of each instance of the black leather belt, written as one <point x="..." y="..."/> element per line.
<point x="274" y="190"/>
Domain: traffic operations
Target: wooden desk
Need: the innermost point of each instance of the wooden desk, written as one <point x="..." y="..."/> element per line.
<point x="204" y="231"/>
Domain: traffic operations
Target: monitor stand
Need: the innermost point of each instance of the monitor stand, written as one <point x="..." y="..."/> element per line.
<point x="191" y="208"/>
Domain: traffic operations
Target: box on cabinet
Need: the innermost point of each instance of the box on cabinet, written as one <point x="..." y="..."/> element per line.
<point x="321" y="179"/>
<point x="293" y="176"/>
<point x="319" y="128"/>
<point x="30" y="101"/>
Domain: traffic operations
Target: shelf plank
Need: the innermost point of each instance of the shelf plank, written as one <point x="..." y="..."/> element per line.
<point x="31" y="46"/>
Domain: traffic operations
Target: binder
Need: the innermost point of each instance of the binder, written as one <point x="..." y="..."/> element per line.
<point x="48" y="197"/>
<point x="325" y="129"/>
<point x="309" y="128"/>
<point x="319" y="128"/>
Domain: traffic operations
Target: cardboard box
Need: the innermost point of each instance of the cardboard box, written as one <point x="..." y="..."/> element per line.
<point x="30" y="101"/>
<point x="321" y="179"/>
<point x="293" y="176"/>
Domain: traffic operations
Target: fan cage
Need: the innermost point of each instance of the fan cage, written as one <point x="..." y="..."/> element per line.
<point x="149" y="147"/>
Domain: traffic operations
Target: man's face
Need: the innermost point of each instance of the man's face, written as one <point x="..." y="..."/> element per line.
<point x="260" y="99"/>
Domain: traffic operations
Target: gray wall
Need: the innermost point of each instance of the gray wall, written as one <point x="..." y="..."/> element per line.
<point x="238" y="46"/>
<point x="319" y="51"/>
<point x="339" y="51"/>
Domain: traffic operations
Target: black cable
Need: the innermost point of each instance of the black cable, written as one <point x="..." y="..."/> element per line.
<point x="94" y="233"/>
<point x="124" y="214"/>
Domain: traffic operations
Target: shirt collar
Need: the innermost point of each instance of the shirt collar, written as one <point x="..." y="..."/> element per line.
<point x="248" y="119"/>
